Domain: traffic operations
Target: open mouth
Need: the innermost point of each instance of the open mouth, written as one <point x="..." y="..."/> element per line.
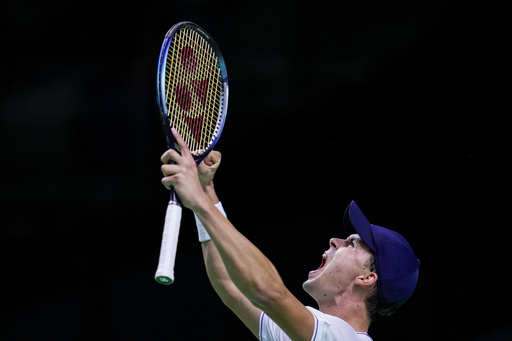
<point x="324" y="257"/>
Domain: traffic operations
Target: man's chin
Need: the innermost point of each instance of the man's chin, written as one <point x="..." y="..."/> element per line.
<point x="308" y="284"/>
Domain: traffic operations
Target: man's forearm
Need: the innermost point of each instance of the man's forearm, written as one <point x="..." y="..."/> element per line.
<point x="247" y="267"/>
<point x="218" y="275"/>
<point x="224" y="286"/>
<point x="215" y="269"/>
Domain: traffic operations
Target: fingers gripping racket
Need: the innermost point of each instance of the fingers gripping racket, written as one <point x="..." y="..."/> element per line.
<point x="192" y="94"/>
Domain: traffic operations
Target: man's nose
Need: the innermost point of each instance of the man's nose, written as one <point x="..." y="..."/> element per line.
<point x="336" y="242"/>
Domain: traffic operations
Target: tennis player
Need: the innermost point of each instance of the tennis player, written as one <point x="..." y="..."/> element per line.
<point x="372" y="271"/>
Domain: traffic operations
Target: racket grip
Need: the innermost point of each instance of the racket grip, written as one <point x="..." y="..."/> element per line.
<point x="165" y="270"/>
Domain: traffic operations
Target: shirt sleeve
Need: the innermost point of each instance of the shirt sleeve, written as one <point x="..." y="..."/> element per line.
<point x="270" y="331"/>
<point x="327" y="328"/>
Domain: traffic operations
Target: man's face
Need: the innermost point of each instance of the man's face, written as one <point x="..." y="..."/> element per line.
<point x="341" y="264"/>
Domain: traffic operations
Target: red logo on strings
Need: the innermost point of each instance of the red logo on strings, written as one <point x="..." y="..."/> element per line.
<point x="183" y="93"/>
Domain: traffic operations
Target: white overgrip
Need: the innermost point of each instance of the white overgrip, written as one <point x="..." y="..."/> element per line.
<point x="165" y="270"/>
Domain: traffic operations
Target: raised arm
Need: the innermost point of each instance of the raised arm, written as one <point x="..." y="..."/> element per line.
<point x="217" y="273"/>
<point x="247" y="267"/>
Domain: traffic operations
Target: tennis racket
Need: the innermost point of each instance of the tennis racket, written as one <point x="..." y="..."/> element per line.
<point x="192" y="95"/>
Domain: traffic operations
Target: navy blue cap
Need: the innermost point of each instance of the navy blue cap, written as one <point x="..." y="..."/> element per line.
<point x="397" y="266"/>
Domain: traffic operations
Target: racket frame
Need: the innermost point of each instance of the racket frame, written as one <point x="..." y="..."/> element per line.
<point x="167" y="277"/>
<point x="160" y="86"/>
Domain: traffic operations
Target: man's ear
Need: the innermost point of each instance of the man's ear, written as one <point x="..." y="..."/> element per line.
<point x="367" y="280"/>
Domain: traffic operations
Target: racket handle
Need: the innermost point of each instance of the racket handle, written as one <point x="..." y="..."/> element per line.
<point x="165" y="270"/>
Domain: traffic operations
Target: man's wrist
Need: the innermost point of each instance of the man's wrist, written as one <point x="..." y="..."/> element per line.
<point x="202" y="234"/>
<point x="210" y="192"/>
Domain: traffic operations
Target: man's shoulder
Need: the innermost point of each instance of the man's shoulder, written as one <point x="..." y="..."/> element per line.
<point x="330" y="324"/>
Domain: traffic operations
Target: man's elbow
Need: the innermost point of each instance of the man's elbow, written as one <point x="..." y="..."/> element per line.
<point x="266" y="299"/>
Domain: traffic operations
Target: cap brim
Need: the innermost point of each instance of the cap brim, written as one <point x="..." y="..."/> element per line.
<point x="354" y="221"/>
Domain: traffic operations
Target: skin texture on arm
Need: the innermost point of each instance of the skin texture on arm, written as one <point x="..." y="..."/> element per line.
<point x="247" y="267"/>
<point x="215" y="269"/>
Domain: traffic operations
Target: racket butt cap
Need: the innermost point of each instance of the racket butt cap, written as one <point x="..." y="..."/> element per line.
<point x="165" y="280"/>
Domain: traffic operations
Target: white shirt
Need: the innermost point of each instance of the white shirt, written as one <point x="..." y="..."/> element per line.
<point x="327" y="328"/>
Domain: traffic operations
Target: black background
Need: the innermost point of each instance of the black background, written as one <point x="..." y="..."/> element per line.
<point x="401" y="105"/>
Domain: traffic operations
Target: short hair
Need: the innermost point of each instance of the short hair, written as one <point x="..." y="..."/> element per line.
<point x="372" y="299"/>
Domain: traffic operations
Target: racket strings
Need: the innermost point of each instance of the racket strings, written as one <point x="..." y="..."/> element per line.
<point x="193" y="89"/>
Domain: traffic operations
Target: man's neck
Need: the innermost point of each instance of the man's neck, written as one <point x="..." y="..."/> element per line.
<point x="351" y="311"/>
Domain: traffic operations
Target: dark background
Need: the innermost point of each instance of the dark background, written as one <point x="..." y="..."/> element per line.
<point x="402" y="105"/>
